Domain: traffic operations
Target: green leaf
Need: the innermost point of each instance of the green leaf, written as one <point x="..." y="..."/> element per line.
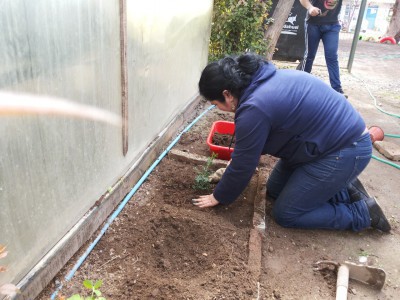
<point x="88" y="284"/>
<point x="236" y="26"/>
<point x="98" y="284"/>
<point x="97" y="292"/>
<point x="75" y="297"/>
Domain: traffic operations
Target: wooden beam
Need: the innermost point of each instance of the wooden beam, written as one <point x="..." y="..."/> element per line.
<point x="124" y="76"/>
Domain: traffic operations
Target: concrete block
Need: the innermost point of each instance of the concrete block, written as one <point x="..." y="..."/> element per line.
<point x="195" y="158"/>
<point x="388" y="149"/>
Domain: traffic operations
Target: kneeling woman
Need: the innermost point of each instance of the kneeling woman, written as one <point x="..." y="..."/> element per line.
<point x="321" y="140"/>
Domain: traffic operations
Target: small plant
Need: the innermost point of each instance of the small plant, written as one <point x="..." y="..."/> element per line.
<point x="95" y="288"/>
<point x="201" y="181"/>
<point x="7" y="288"/>
<point x="363" y="253"/>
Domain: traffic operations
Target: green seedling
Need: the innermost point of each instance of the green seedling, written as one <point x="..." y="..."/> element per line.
<point x="95" y="288"/>
<point x="201" y="181"/>
<point x="364" y="253"/>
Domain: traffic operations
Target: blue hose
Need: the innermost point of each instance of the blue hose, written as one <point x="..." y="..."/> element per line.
<point x="386" y="162"/>
<point x="123" y="203"/>
<point x="392" y="135"/>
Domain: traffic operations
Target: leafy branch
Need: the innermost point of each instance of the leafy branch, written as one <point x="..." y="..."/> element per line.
<point x="238" y="26"/>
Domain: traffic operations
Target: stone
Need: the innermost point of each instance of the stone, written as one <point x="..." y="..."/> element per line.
<point x="388" y="149"/>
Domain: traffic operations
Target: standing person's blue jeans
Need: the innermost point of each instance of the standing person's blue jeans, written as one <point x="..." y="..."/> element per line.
<point x="314" y="195"/>
<point x="329" y="34"/>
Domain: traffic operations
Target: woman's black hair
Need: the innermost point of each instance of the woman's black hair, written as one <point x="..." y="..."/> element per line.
<point x="230" y="73"/>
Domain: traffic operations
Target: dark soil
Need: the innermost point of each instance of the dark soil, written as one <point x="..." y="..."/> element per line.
<point x="224" y="140"/>
<point x="163" y="247"/>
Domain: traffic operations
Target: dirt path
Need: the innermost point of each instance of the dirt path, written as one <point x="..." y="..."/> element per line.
<point x="290" y="254"/>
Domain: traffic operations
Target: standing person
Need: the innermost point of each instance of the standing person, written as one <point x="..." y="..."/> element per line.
<point x="321" y="140"/>
<point x="322" y="23"/>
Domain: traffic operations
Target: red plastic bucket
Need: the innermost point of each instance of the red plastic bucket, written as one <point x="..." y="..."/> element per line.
<point x="221" y="127"/>
<point x="376" y="133"/>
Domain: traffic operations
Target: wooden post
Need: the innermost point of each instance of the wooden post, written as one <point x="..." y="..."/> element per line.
<point x="124" y="76"/>
<point x="273" y="31"/>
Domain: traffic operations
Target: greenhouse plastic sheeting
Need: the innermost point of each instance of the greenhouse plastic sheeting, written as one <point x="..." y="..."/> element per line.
<point x="54" y="168"/>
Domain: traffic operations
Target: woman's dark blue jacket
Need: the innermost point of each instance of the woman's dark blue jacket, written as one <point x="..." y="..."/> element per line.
<point x="288" y="114"/>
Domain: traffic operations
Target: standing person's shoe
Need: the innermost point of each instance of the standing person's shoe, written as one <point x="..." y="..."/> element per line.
<point x="357" y="191"/>
<point x="341" y="92"/>
<point x="378" y="219"/>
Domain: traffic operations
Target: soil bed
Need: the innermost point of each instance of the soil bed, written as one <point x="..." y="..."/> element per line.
<point x="163" y="247"/>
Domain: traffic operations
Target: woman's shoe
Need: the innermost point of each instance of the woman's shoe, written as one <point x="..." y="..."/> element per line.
<point x="357" y="191"/>
<point x="378" y="219"/>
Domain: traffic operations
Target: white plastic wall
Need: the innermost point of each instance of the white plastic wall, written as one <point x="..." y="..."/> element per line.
<point x="52" y="168"/>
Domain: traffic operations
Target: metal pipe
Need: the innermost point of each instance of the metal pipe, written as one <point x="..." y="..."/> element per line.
<point x="356" y="34"/>
<point x="342" y="283"/>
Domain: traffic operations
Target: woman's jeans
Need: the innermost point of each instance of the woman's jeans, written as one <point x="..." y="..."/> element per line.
<point x="329" y="34"/>
<point x="314" y="195"/>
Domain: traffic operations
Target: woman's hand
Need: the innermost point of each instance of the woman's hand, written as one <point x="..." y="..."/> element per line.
<point x="205" y="201"/>
<point x="314" y="11"/>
